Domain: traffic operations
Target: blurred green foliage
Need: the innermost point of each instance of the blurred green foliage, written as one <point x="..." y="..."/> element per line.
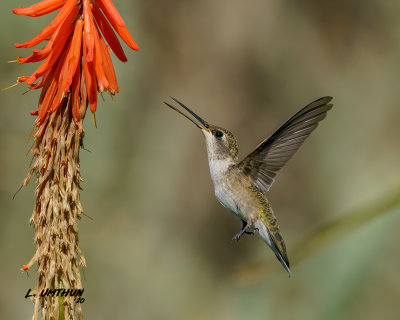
<point x="159" y="243"/>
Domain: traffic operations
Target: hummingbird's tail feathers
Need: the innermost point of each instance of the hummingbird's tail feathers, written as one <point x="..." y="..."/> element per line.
<point x="279" y="250"/>
<point x="281" y="257"/>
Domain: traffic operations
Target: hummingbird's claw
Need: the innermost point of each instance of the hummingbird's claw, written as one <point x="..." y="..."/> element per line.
<point x="236" y="237"/>
<point x="240" y="233"/>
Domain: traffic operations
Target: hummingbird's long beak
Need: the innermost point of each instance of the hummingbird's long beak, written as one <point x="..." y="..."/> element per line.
<point x="202" y="125"/>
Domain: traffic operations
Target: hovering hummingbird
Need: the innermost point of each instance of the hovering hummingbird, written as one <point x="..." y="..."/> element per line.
<point x="241" y="186"/>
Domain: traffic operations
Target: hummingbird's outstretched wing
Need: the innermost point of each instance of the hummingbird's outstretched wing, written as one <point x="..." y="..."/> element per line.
<point x="262" y="165"/>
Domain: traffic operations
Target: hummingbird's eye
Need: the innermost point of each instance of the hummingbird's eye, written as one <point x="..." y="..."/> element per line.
<point x="218" y="134"/>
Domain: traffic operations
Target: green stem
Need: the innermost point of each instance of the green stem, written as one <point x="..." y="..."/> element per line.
<point x="60" y="306"/>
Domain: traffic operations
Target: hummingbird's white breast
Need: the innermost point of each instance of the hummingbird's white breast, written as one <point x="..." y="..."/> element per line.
<point x="224" y="191"/>
<point x="219" y="167"/>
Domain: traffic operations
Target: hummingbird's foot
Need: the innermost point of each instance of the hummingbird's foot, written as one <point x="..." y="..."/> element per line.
<point x="240" y="233"/>
<point x="244" y="225"/>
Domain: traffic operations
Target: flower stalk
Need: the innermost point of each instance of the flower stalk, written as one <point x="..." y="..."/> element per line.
<point x="56" y="212"/>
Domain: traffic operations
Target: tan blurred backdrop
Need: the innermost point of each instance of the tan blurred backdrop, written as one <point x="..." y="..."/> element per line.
<point x="158" y="246"/>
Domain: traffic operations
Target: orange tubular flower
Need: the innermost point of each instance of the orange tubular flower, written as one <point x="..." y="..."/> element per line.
<point x="40" y="8"/>
<point x="76" y="60"/>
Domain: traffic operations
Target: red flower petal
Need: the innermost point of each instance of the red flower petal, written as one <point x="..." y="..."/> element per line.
<point x="90" y="81"/>
<point x="88" y="31"/>
<point x="40" y="8"/>
<point x="109" y="68"/>
<point x="116" y="21"/>
<point x="53" y="56"/>
<point x="23" y="79"/>
<point x="62" y="29"/>
<point x="108" y="33"/>
<point x="109" y="9"/>
<point x="126" y="36"/>
<point x="73" y="57"/>
<point x="49" y="30"/>
<point x="102" y="82"/>
<point x="49" y="91"/>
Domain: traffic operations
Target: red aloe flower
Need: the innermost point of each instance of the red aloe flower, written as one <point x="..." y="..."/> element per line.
<point x="76" y="64"/>
<point x="76" y="60"/>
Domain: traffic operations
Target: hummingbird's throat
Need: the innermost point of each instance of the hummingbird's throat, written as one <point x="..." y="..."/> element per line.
<point x="219" y="168"/>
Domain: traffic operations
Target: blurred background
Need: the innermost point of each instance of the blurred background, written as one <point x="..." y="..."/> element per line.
<point x="158" y="246"/>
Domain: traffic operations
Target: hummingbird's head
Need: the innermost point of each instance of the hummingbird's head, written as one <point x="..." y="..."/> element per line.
<point x="221" y="143"/>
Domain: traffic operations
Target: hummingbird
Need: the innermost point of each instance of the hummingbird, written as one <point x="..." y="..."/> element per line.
<point x="241" y="186"/>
